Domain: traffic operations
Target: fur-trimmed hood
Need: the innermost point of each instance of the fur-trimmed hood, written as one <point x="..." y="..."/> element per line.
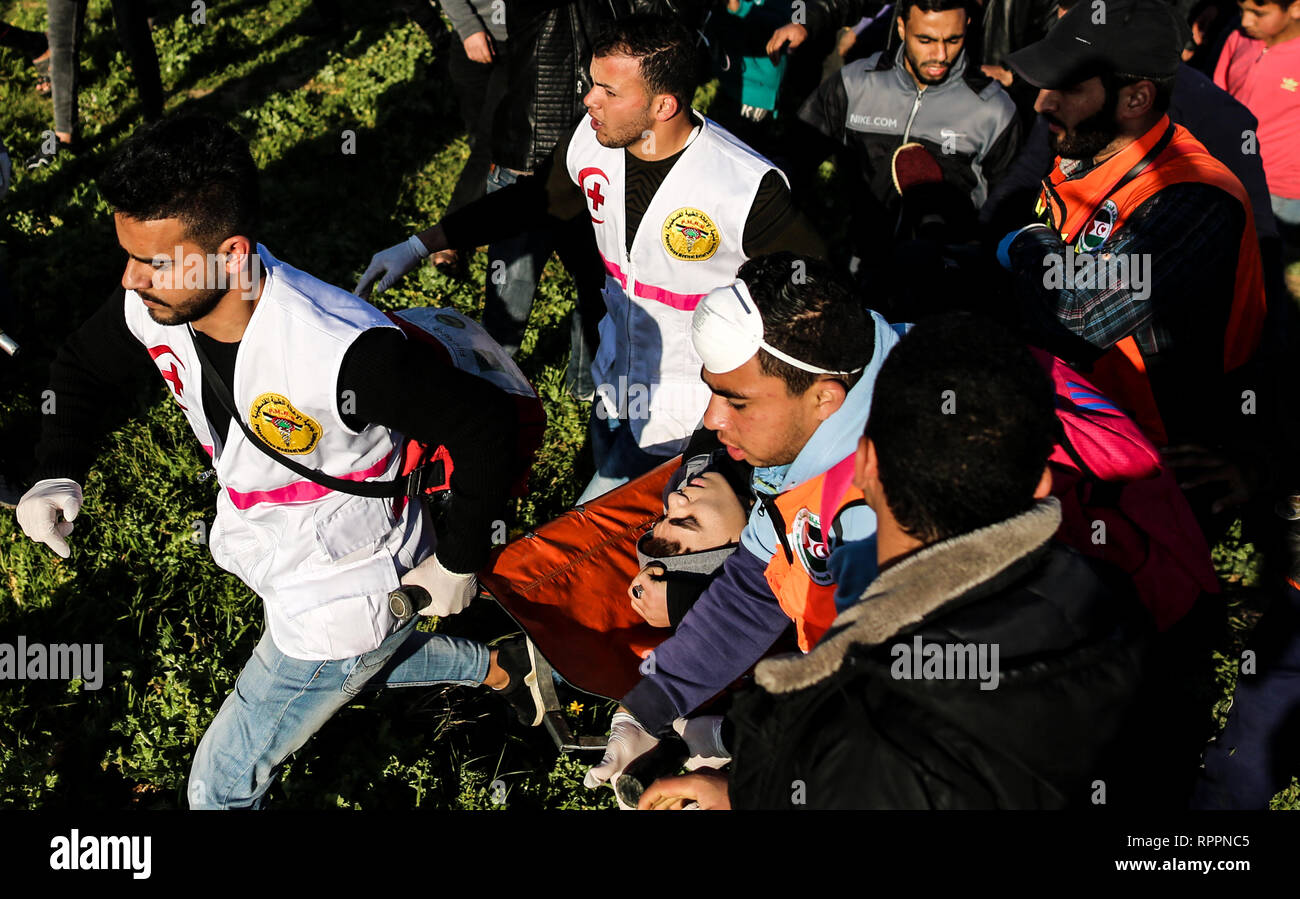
<point x="913" y="590"/>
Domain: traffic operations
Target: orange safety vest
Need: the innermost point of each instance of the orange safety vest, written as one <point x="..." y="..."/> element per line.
<point x="1090" y="208"/>
<point x="799" y="573"/>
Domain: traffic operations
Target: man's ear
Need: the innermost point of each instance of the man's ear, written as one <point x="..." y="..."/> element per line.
<point x="1044" y="488"/>
<point x="666" y="106"/>
<point x="236" y="249"/>
<point x="902" y="29"/>
<point x="866" y="473"/>
<point x="864" y="453"/>
<point x="829" y="395"/>
<point x="1136" y="100"/>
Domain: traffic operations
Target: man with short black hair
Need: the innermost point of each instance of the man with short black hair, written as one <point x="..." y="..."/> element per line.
<point x="987" y="666"/>
<point x="677" y="205"/>
<point x="958" y="126"/>
<point x="790" y="357"/>
<point x="272" y="367"/>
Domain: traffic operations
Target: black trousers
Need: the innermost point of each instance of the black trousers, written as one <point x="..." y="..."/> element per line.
<point x="67" y="20"/>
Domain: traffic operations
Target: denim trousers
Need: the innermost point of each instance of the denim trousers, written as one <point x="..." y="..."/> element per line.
<point x="618" y="457"/>
<point x="514" y="268"/>
<point x="279" y="702"/>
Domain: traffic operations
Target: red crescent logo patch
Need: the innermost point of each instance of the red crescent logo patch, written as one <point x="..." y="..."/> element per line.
<point x="595" y="188"/>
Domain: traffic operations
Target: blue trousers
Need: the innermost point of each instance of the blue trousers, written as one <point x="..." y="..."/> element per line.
<point x="279" y="702"/>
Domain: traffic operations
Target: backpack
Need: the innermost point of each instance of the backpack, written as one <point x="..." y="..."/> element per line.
<point x="426" y="470"/>
<point x="1120" y="503"/>
<point x="464" y="344"/>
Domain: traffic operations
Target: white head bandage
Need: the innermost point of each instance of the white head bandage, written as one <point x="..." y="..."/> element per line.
<point x="727" y="330"/>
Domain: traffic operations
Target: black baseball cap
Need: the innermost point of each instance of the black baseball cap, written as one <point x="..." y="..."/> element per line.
<point x="1133" y="37"/>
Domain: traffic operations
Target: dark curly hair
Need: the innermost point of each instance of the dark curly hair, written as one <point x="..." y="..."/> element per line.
<point x="671" y="61"/>
<point x="963" y="420"/>
<point x="809" y="314"/>
<point x="194" y="168"/>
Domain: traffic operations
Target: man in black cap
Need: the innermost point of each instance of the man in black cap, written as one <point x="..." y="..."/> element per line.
<point x="1144" y="268"/>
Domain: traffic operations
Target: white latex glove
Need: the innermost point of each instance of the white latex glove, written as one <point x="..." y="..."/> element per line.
<point x="450" y="592"/>
<point x="628" y="740"/>
<point x="391" y="264"/>
<point x="38" y="512"/>
<point x="703" y="736"/>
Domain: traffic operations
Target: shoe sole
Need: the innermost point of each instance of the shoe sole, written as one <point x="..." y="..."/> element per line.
<point x="530" y="681"/>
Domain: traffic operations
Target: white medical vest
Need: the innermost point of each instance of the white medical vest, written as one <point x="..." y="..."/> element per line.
<point x="323" y="562"/>
<point x="690" y="241"/>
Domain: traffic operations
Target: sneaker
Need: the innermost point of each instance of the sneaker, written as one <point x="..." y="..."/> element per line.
<point x="516" y="657"/>
<point x="42" y="159"/>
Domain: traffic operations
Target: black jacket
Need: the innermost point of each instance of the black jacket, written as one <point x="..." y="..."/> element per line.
<point x="550" y="50"/>
<point x="838" y="729"/>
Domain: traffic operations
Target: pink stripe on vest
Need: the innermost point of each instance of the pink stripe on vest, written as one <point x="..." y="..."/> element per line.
<point x="303" y="491"/>
<point x="684" y="301"/>
<point x="614" y="270"/>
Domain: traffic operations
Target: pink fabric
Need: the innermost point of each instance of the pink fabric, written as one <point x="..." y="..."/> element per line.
<point x="684" y="301"/>
<point x="834" y="486"/>
<point x="1266" y="80"/>
<point x="302" y="491"/>
<point x="614" y="270"/>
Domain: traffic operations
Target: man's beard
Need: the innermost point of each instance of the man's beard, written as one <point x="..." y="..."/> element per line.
<point x="632" y="134"/>
<point x="1090" y="136"/>
<point x="194" y="308"/>
<point x="920" y="74"/>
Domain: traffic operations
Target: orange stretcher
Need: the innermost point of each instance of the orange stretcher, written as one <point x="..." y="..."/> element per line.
<point x="566" y="584"/>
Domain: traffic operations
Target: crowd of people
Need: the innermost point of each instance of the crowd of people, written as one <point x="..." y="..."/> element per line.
<point x="966" y="450"/>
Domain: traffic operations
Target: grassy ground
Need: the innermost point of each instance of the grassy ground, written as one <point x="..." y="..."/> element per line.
<point x="175" y="629"/>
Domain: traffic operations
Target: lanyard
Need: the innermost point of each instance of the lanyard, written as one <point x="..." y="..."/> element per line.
<point x="1138" y="168"/>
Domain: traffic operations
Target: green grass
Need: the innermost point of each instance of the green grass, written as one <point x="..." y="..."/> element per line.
<point x="177" y="630"/>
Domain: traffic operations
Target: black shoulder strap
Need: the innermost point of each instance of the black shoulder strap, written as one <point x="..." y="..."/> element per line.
<point x="375" y="489"/>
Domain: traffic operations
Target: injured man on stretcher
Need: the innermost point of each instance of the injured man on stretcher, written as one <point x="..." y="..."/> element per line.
<point x="706" y="506"/>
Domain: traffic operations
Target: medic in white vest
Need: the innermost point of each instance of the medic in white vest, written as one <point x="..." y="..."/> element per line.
<point x="323" y="561"/>
<point x="689" y="241"/>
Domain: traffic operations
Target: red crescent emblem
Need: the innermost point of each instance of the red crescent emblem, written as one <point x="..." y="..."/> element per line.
<point x="596" y="193"/>
<point x="171" y="374"/>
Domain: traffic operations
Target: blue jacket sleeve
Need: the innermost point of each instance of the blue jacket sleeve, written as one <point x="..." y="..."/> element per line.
<point x="727" y="630"/>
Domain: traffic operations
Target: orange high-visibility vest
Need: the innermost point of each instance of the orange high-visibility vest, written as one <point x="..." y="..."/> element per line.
<point x="1088" y="209"/>
<point x="798" y="573"/>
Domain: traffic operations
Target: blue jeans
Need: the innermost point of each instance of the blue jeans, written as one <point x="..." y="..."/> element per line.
<point x="618" y="457"/>
<point x="279" y="702"/>
<point x="514" y="268"/>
